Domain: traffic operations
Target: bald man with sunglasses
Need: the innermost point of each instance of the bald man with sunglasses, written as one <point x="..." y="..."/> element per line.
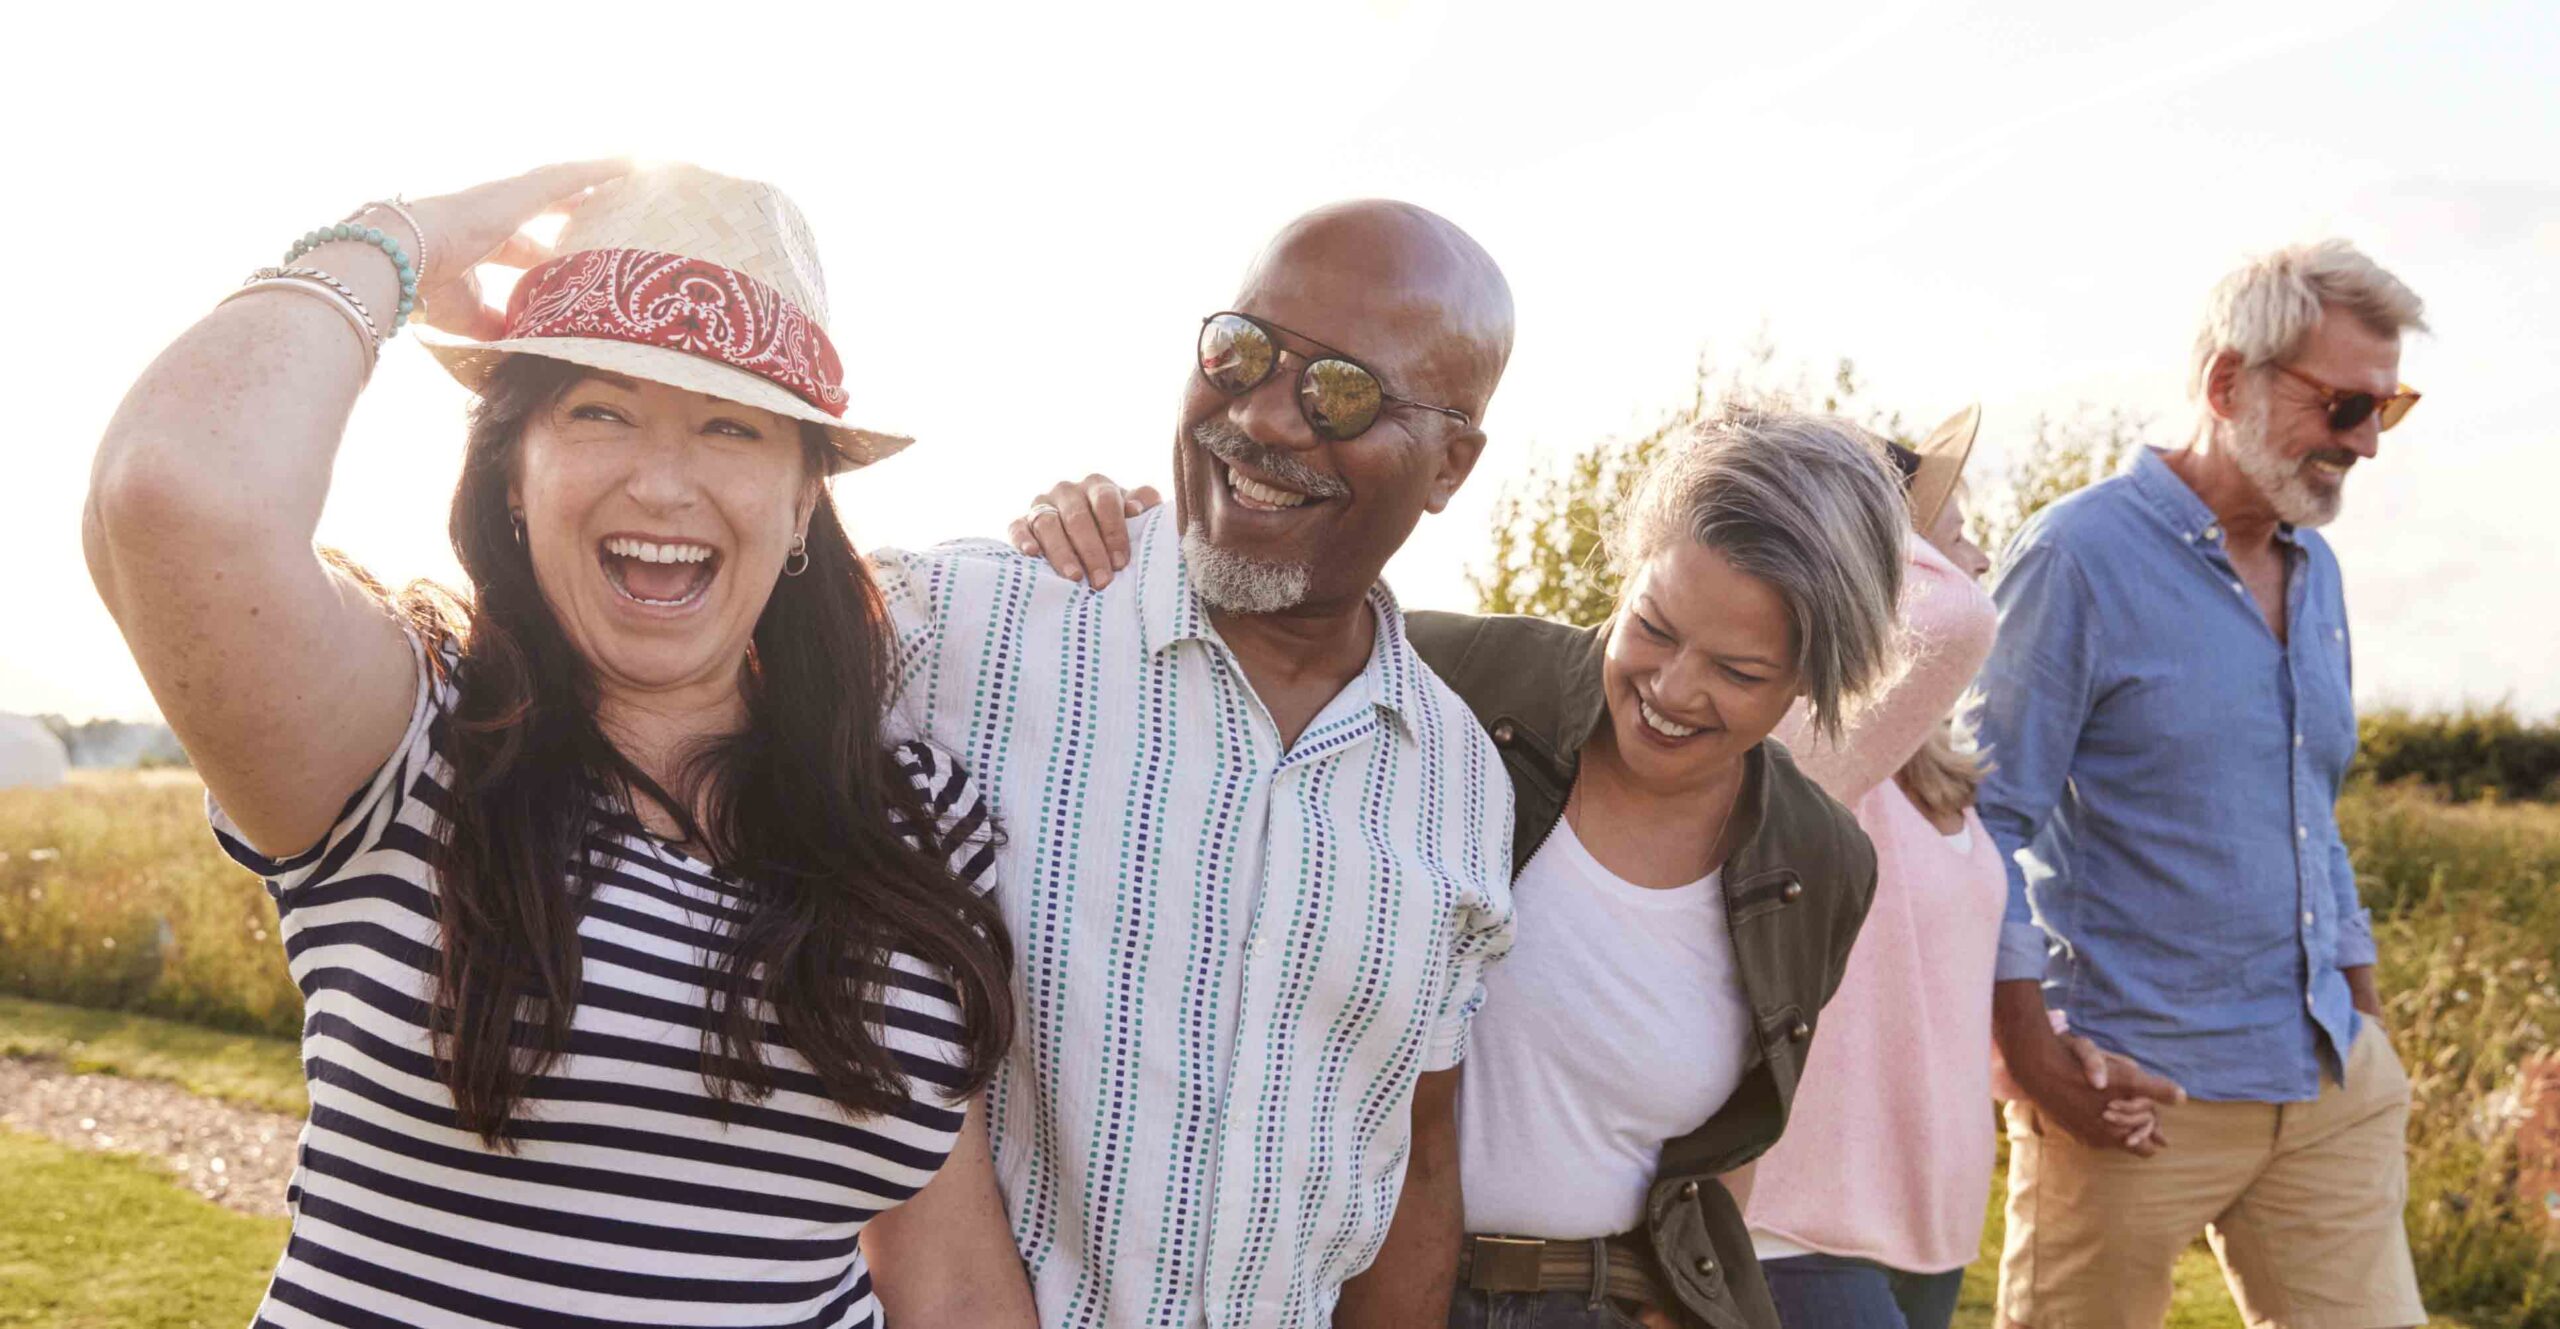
<point x="2170" y="716"/>
<point x="1257" y="855"/>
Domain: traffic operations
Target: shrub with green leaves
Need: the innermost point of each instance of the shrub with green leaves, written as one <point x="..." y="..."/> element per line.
<point x="113" y="895"/>
<point x="2471" y="753"/>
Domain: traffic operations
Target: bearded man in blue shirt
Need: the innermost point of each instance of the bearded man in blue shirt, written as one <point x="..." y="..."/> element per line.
<point x="2168" y="707"/>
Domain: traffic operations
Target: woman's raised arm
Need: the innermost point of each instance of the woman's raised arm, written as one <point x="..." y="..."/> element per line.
<point x="288" y="683"/>
<point x="1947" y="627"/>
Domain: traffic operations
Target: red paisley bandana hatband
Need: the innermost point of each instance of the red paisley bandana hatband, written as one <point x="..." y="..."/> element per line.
<point x="682" y="304"/>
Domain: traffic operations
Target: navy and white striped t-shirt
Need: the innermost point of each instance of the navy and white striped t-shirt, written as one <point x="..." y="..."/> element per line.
<point x="634" y="1197"/>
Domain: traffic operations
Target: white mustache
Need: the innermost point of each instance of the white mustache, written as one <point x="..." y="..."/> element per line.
<point x="1229" y="444"/>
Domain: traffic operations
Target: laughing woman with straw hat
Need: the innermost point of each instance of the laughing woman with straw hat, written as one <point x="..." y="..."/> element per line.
<point x="645" y="980"/>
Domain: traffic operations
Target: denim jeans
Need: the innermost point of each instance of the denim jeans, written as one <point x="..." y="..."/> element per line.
<point x="1832" y="1292"/>
<point x="1471" y="1309"/>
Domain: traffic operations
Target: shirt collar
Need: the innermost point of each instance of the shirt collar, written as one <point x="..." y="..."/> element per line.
<point x="2177" y="506"/>
<point x="1171" y="612"/>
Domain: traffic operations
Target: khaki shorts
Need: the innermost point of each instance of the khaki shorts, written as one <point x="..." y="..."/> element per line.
<point x="2302" y="1203"/>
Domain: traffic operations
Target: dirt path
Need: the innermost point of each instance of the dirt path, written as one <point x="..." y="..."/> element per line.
<point x="236" y="1157"/>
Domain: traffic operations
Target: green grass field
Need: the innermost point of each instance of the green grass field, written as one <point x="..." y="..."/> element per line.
<point x="101" y="1242"/>
<point x="248" y="1069"/>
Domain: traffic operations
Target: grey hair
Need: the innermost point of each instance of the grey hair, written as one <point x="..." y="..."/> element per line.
<point x="1807" y="503"/>
<point x="2267" y="307"/>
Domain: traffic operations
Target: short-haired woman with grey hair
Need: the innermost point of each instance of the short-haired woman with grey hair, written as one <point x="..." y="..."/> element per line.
<point x="1687" y="897"/>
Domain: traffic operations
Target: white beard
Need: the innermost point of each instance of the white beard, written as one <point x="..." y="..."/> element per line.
<point x="2291" y="493"/>
<point x="1236" y="584"/>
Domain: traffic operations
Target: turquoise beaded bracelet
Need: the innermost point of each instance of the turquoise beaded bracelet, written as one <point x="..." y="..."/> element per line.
<point x="367" y="235"/>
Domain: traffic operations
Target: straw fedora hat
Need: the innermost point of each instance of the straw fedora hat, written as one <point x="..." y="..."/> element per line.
<point x="693" y="279"/>
<point x="1942" y="457"/>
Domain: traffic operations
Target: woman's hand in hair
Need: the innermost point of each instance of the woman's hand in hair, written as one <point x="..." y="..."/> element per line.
<point x="1082" y="527"/>
<point x="485" y="224"/>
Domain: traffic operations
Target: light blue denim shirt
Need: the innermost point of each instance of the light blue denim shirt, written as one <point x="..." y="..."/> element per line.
<point x="2164" y="786"/>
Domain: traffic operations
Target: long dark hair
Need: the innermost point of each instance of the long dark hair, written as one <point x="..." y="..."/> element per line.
<point x="804" y="807"/>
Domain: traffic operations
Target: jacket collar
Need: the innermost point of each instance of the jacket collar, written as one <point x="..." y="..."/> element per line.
<point x="1585" y="693"/>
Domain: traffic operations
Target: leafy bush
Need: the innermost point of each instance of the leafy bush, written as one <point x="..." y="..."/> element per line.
<point x="2064" y="457"/>
<point x="114" y="896"/>
<point x="2466" y="903"/>
<point x="1547" y="559"/>
<point x="2469" y="754"/>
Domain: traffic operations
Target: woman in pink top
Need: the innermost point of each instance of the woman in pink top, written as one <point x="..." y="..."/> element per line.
<point x="1868" y="1210"/>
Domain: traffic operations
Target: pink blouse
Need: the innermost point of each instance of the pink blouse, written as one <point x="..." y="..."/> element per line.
<point x="1888" y="1154"/>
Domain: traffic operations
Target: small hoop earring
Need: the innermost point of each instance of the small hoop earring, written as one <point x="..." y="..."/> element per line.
<point x="800" y="553"/>
<point x="515" y="517"/>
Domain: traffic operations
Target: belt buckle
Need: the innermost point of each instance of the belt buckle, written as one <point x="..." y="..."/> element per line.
<point x="1504" y="1264"/>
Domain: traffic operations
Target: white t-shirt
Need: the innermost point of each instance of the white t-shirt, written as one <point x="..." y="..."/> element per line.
<point x="1618" y="1023"/>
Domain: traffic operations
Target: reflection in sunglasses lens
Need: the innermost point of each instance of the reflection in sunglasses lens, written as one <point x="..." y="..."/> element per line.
<point x="1235" y="356"/>
<point x="1340" y="398"/>
<point x="2350" y="411"/>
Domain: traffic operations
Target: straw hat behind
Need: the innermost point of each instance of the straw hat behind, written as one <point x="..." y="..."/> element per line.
<point x="693" y="279"/>
<point x="1942" y="458"/>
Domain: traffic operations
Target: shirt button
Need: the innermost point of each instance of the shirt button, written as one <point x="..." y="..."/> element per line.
<point x="2297" y="740"/>
<point x="1260" y="944"/>
<point x="2307" y="918"/>
<point x="2301" y="833"/>
<point x="2213" y="532"/>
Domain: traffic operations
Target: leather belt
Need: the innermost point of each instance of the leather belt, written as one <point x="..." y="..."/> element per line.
<point x="1529" y="1264"/>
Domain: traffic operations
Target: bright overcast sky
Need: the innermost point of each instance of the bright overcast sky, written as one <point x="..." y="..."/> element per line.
<point x="2021" y="203"/>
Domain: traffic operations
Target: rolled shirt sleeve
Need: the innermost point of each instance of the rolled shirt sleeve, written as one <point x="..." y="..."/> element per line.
<point x="2036" y="689"/>
<point x="1484" y="933"/>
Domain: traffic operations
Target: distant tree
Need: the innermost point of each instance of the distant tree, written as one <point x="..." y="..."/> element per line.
<point x="116" y="743"/>
<point x="1547" y="559"/>
<point x="2065" y="456"/>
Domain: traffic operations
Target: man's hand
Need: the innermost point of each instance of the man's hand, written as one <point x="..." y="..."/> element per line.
<point x="2104" y="1100"/>
<point x="1082" y="527"/>
<point x="2362" y="991"/>
<point x="2134" y="1121"/>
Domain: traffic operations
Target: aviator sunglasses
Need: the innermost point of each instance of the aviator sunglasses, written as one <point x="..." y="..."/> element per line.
<point x="2349" y="409"/>
<point x="1339" y="396"/>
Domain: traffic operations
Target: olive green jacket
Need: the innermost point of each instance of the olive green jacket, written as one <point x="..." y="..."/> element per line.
<point x="1795" y="891"/>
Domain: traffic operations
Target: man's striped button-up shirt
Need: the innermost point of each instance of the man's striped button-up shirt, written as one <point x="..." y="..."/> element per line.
<point x="1233" y="957"/>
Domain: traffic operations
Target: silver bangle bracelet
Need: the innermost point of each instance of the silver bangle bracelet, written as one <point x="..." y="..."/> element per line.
<point x="328" y="292"/>
<point x="344" y="292"/>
